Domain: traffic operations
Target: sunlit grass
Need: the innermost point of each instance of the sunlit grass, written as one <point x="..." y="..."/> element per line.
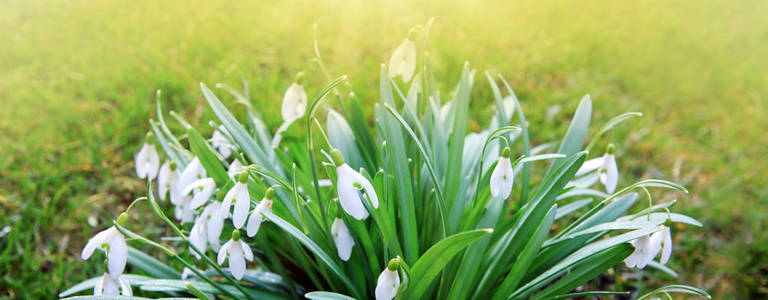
<point x="77" y="78"/>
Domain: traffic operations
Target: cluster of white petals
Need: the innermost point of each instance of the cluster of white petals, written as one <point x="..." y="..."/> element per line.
<point x="257" y="215"/>
<point x="294" y="101"/>
<point x="388" y="283"/>
<point x="113" y="243"/>
<point x="342" y="238"/>
<point x="112" y="286"/>
<point x="238" y="252"/>
<point x="403" y="60"/>
<point x="606" y="165"/>
<point x="147" y="160"/>
<point x="220" y="143"/>
<point x="648" y="247"/>
<point x="349" y="184"/>
<point x="502" y="177"/>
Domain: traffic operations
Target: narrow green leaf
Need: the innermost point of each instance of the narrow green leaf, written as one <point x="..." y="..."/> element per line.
<point x="677" y="288"/>
<point x="208" y="159"/>
<point x="150" y="265"/>
<point x="88" y="284"/>
<point x="320" y="295"/>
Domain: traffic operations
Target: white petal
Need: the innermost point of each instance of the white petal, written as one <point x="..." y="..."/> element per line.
<point x="611" y="176"/>
<point x="247" y="253"/>
<point x="93" y="243"/>
<point x="501" y="181"/>
<point x="235" y="168"/>
<point x="223" y="252"/>
<point x="343" y="240"/>
<point x="203" y="189"/>
<point x="254" y="222"/>
<point x="192" y="172"/>
<point x="110" y="287"/>
<point x="368" y="188"/>
<point x="667" y="250"/>
<point x="349" y="196"/>
<point x="141" y="162"/>
<point x="125" y="286"/>
<point x="98" y="289"/>
<point x="589" y="166"/>
<point x="118" y="255"/>
<point x="215" y="226"/>
<point x="294" y="103"/>
<point x="236" y="261"/>
<point x="403" y="60"/>
<point x="242" y="204"/>
<point x="153" y="162"/>
<point x="387" y="285"/>
<point x="197" y="236"/>
<point x="163" y="183"/>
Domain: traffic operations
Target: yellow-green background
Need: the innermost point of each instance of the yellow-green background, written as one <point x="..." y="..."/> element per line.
<point x="77" y="80"/>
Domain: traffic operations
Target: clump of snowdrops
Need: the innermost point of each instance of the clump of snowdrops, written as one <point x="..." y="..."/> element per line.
<point x="408" y="206"/>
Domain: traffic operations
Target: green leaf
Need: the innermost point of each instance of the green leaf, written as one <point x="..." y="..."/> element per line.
<point x="132" y="279"/>
<point x="320" y="295"/>
<point x="432" y="262"/>
<point x="314" y="248"/>
<point x="577" y="132"/>
<point x="207" y="158"/>
<point x="677" y="288"/>
<point x="582" y="294"/>
<point x="453" y="179"/>
<point x="175" y="285"/>
<point x="612" y="123"/>
<point x="106" y="298"/>
<point x="150" y="265"/>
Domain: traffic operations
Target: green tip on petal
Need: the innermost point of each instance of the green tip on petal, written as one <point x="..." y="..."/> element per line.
<point x="236" y="235"/>
<point x="338" y="158"/>
<point x="300" y="77"/>
<point x="122" y="219"/>
<point x="173" y="165"/>
<point x="611" y="149"/>
<point x="394" y="264"/>
<point x="269" y="193"/>
<point x="150" y="139"/>
<point x="220" y="196"/>
<point x="506" y="153"/>
<point x="243" y="177"/>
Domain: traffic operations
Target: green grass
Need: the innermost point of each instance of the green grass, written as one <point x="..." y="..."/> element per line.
<point x="77" y="80"/>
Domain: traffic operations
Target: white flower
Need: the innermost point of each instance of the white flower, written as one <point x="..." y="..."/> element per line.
<point x="256" y="217"/>
<point x="147" y="161"/>
<point x="167" y="179"/>
<point x="294" y="100"/>
<point x="403" y="61"/>
<point x="606" y="165"/>
<point x="192" y="172"/>
<point x="502" y="177"/>
<point x="198" y="235"/>
<point x="216" y="223"/>
<point x="239" y="192"/>
<point x="343" y="240"/>
<point x="203" y="189"/>
<point x="234" y="168"/>
<point x="388" y="283"/>
<point x="348" y="185"/>
<point x="647" y="247"/>
<point x="112" y="286"/>
<point x="238" y="252"/>
<point x="183" y="211"/>
<point x="220" y="142"/>
<point x="113" y="242"/>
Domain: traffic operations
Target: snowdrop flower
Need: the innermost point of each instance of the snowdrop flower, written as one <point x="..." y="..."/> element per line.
<point x="349" y="183"/>
<point x="256" y="217"/>
<point x="216" y="222"/>
<point x="343" y="240"/>
<point x="220" y="142"/>
<point x="167" y="179"/>
<point x="203" y="189"/>
<point x="294" y="100"/>
<point x="235" y="167"/>
<point x="238" y="252"/>
<point x="183" y="211"/>
<point x="403" y="60"/>
<point x="192" y="172"/>
<point x="502" y="176"/>
<point x="147" y="161"/>
<point x="606" y="165"/>
<point x="198" y="235"/>
<point x="112" y="286"/>
<point x="389" y="281"/>
<point x="239" y="193"/>
<point x="647" y="247"/>
<point x="113" y="243"/>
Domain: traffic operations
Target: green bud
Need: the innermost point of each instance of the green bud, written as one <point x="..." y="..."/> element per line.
<point x="150" y="138"/>
<point x="611" y="149"/>
<point x="243" y="177"/>
<point x="338" y="158"/>
<point x="269" y="193"/>
<point x="300" y="77"/>
<point x="506" y="153"/>
<point x="122" y="219"/>
<point x="236" y="235"/>
<point x="394" y="264"/>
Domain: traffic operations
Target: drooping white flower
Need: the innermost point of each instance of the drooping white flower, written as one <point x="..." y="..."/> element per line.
<point x="216" y="222"/>
<point x="606" y="166"/>
<point x="502" y="177"/>
<point x="113" y="242"/>
<point x="238" y="252"/>
<point x="403" y="60"/>
<point x="256" y="217"/>
<point x="147" y="160"/>
<point x="235" y="168"/>
<point x="294" y="100"/>
<point x="194" y="171"/>
<point x="348" y="185"/>
<point x="219" y="141"/>
<point x="203" y="189"/>
<point x="198" y="235"/>
<point x="239" y="192"/>
<point x="647" y="247"/>
<point x="167" y="179"/>
<point x="343" y="240"/>
<point x="112" y="286"/>
<point x="663" y="237"/>
<point x="183" y="210"/>
<point x="388" y="282"/>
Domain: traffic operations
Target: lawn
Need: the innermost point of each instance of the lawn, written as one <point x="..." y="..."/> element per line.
<point x="77" y="83"/>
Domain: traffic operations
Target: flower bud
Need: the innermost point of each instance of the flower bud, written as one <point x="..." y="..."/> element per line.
<point x="236" y="235"/>
<point x="394" y="264"/>
<point x="506" y="153"/>
<point x="123" y="219"/>
<point x="269" y="193"/>
<point x="338" y="158"/>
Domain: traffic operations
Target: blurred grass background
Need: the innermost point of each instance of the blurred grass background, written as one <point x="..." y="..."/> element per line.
<point x="77" y="80"/>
